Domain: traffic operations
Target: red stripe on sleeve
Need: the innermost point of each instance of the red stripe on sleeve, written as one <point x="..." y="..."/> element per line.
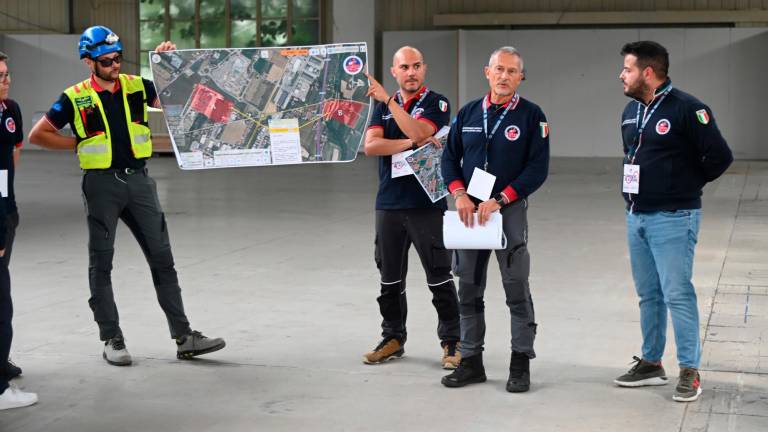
<point x="456" y="184"/>
<point x="510" y="193"/>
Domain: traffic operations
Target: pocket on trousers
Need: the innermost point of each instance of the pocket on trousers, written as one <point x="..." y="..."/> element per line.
<point x="676" y="214"/>
<point x="97" y="227"/>
<point x="518" y="263"/>
<point x="441" y="259"/>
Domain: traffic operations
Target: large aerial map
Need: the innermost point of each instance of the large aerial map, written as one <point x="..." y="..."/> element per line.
<point x="425" y="164"/>
<point x="263" y="106"/>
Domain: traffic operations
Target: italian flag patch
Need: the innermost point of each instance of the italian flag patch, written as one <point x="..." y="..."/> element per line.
<point x="443" y="105"/>
<point x="702" y="116"/>
<point x="544" y="126"/>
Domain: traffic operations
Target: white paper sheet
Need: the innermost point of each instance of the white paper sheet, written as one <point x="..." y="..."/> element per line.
<point x="458" y="236"/>
<point x="4" y="183"/>
<point x="400" y="166"/>
<point x="481" y="184"/>
<point x="284" y="141"/>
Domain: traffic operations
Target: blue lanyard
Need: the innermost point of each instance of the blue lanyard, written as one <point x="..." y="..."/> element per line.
<point x="488" y="137"/>
<point x="418" y="102"/>
<point x="641" y="125"/>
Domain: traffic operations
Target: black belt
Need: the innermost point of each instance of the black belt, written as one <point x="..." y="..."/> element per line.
<point x="128" y="171"/>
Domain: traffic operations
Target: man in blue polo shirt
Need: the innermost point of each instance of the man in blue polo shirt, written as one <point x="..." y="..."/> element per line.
<point x="672" y="148"/>
<point x="108" y="114"/>
<point x="404" y="213"/>
<point x="507" y="137"/>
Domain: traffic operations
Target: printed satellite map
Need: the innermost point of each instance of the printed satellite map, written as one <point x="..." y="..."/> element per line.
<point x="425" y="163"/>
<point x="263" y="106"/>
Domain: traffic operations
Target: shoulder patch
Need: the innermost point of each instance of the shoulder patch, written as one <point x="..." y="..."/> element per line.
<point x="702" y="116"/>
<point x="443" y="105"/>
<point x="544" y="126"/>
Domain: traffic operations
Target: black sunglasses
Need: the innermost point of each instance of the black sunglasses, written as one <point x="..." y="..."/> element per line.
<point x="107" y="62"/>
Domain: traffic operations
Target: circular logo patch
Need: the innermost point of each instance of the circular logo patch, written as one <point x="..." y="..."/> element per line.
<point x="156" y="58"/>
<point x="417" y="112"/>
<point x="663" y="126"/>
<point x="353" y="65"/>
<point x="512" y="133"/>
<point x="10" y="125"/>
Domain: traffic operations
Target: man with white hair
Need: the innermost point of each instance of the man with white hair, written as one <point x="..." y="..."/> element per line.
<point x="507" y="137"/>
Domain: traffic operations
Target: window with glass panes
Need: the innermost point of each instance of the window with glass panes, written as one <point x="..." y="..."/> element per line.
<point x="227" y="23"/>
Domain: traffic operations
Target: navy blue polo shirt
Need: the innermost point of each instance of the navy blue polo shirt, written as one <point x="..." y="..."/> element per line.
<point x="680" y="151"/>
<point x="405" y="192"/>
<point x="63" y="112"/>
<point x="517" y="154"/>
<point x="11" y="137"/>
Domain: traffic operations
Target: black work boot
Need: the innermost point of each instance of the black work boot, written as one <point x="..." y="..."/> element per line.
<point x="470" y="371"/>
<point x="519" y="373"/>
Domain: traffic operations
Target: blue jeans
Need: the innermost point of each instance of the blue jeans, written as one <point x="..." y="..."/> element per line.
<point x="661" y="247"/>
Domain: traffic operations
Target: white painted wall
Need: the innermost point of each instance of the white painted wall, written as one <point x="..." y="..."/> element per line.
<point x="573" y="75"/>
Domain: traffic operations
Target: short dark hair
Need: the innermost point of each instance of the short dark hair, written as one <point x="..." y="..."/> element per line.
<point x="3" y="57"/>
<point x="649" y="54"/>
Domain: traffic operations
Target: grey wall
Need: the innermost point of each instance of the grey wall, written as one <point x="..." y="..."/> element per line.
<point x="573" y="76"/>
<point x="42" y="67"/>
<point x="440" y="49"/>
<point x="353" y="21"/>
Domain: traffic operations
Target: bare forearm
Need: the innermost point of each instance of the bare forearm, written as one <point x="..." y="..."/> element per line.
<point x="385" y="147"/>
<point x="52" y="140"/>
<point x="414" y="129"/>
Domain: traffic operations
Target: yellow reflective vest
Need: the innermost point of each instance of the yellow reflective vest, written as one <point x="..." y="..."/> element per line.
<point x="94" y="140"/>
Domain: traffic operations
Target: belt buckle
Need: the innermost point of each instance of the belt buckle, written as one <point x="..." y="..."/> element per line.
<point x="130" y="171"/>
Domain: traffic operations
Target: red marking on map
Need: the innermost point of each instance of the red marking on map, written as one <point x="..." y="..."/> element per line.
<point x="343" y="111"/>
<point x="211" y="104"/>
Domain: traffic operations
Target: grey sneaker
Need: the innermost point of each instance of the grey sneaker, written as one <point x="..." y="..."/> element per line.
<point x="688" y="385"/>
<point x="115" y="352"/>
<point x="643" y="373"/>
<point x="12" y="397"/>
<point x="195" y="344"/>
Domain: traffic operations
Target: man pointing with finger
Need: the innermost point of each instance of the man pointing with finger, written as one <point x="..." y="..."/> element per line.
<point x="507" y="137"/>
<point x="404" y="213"/>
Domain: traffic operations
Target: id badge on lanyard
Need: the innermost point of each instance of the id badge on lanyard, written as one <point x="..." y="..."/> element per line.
<point x="631" y="180"/>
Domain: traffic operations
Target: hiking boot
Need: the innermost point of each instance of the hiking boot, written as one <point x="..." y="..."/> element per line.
<point x="519" y="373"/>
<point x="451" y="355"/>
<point x="195" y="344"/>
<point x="388" y="349"/>
<point x="115" y="352"/>
<point x="469" y="371"/>
<point x="9" y="371"/>
<point x="12" y="397"/>
<point x="688" y="385"/>
<point x="643" y="373"/>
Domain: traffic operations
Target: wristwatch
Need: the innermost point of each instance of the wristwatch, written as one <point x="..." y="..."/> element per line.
<point x="500" y="200"/>
<point x="414" y="146"/>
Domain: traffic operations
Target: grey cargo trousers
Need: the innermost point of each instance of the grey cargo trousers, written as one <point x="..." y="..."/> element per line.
<point x="471" y="266"/>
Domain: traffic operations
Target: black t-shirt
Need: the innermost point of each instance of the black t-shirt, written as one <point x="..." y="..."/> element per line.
<point x="11" y="136"/>
<point x="62" y="112"/>
<point x="405" y="192"/>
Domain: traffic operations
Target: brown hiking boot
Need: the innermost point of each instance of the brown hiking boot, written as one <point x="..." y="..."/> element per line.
<point x="387" y="349"/>
<point x="451" y="355"/>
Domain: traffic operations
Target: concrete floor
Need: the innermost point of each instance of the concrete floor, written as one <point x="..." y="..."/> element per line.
<point x="279" y="261"/>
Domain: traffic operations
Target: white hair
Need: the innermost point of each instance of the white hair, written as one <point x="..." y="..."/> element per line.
<point x="508" y="50"/>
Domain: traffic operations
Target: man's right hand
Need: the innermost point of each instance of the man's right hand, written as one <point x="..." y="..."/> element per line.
<point x="466" y="209"/>
<point x="2" y="253"/>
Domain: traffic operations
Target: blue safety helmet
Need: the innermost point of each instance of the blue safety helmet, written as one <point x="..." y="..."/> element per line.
<point x="97" y="41"/>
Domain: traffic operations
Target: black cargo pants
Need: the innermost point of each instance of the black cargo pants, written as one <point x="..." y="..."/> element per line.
<point x="130" y="196"/>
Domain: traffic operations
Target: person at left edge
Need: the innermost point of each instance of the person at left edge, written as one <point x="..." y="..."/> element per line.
<point x="11" y="137"/>
<point x="108" y="114"/>
<point x="405" y="215"/>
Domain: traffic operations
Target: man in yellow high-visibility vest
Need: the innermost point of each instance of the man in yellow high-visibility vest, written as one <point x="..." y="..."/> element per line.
<point x="108" y="115"/>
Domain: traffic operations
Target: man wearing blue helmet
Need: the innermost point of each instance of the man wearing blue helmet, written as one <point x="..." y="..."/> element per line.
<point x="108" y="115"/>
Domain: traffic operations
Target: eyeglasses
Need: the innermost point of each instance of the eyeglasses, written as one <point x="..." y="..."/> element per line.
<point x="107" y="62"/>
<point x="5" y="76"/>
